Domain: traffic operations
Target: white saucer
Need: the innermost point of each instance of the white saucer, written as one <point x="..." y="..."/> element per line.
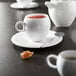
<point x="21" y="39"/>
<point x="31" y="5"/>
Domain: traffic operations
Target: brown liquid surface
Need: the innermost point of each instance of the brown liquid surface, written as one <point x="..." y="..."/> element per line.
<point x="70" y="58"/>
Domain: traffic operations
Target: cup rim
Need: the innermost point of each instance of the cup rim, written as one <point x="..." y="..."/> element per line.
<point x="46" y="16"/>
<point x="71" y="54"/>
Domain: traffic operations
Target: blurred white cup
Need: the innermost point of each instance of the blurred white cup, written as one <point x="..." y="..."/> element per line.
<point x="23" y="2"/>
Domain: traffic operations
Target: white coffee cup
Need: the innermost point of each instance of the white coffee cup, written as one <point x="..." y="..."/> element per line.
<point x="36" y="25"/>
<point x="65" y="62"/>
<point x="23" y="2"/>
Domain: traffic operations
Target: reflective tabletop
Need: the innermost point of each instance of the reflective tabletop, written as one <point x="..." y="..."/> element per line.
<point x="10" y="62"/>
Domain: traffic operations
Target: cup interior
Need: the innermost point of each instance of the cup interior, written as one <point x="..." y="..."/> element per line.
<point x="68" y="54"/>
<point x="36" y="16"/>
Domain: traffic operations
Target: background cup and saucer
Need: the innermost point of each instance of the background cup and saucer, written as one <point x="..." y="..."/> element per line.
<point x="24" y="4"/>
<point x="34" y="30"/>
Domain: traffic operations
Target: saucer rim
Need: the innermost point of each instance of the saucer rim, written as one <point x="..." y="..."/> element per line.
<point x="12" y="5"/>
<point x="61" y="38"/>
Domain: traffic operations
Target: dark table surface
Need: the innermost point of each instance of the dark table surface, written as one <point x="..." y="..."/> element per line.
<point x="10" y="62"/>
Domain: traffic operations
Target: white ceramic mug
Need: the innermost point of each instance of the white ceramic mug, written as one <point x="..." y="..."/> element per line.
<point x="37" y="26"/>
<point x="23" y="2"/>
<point x="62" y="13"/>
<point x="65" y="62"/>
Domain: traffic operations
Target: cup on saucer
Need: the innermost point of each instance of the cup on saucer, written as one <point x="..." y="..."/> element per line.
<point x="36" y="25"/>
<point x="23" y="3"/>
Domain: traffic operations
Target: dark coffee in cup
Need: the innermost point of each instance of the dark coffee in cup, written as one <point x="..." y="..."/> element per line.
<point x="70" y="58"/>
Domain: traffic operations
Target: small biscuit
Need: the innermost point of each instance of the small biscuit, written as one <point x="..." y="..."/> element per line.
<point x="26" y="54"/>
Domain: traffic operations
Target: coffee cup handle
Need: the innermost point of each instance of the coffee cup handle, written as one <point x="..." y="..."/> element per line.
<point x="49" y="62"/>
<point x="20" y="26"/>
